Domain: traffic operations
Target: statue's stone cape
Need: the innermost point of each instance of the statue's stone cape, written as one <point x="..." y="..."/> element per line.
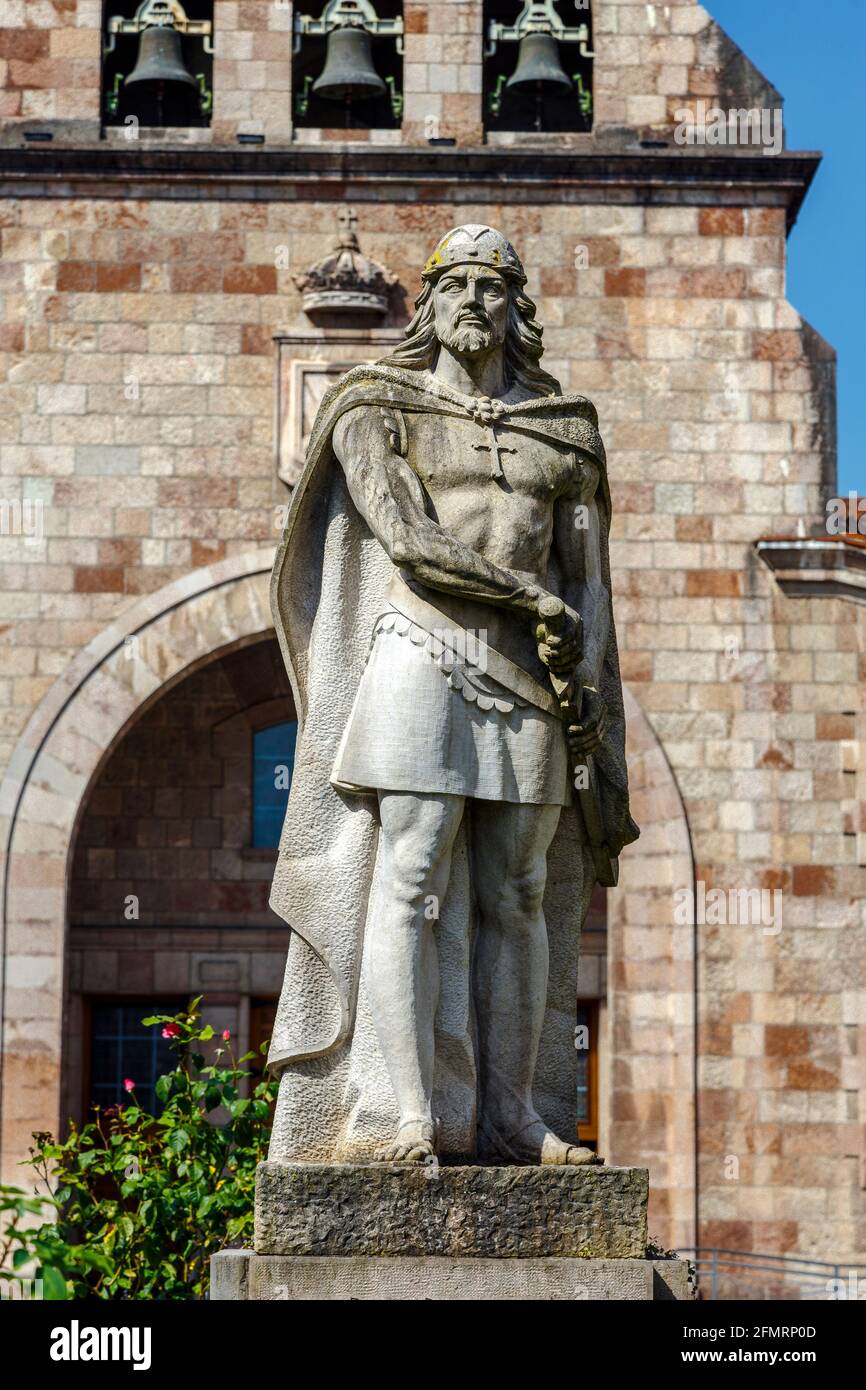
<point x="328" y="583"/>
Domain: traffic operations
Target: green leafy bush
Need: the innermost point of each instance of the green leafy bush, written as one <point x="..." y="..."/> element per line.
<point x="28" y="1253"/>
<point x="141" y="1201"/>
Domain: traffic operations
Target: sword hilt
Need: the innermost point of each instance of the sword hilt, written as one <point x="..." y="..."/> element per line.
<point x="551" y="611"/>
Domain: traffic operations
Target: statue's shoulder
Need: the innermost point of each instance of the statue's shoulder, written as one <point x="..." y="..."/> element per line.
<point x="572" y="420"/>
<point x="377" y="387"/>
<point x="558" y="407"/>
<point x="372" y="384"/>
<point x="365" y="379"/>
<point x="378" y="379"/>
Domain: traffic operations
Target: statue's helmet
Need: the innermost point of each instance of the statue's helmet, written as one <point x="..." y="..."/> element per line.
<point x="475" y="244"/>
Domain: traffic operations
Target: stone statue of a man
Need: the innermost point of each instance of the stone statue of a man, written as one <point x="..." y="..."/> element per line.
<point x="460" y="770"/>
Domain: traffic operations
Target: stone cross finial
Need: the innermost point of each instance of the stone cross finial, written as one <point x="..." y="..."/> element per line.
<point x="348" y="220"/>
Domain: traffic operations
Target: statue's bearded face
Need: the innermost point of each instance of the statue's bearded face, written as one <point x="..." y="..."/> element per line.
<point x="471" y="307"/>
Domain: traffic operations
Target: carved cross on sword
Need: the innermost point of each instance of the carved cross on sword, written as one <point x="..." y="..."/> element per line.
<point x="552" y="613"/>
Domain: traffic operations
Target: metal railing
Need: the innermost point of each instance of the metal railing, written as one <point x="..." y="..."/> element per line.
<point x="745" y="1274"/>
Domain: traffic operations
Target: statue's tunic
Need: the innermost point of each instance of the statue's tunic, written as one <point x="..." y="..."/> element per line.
<point x="426" y="718"/>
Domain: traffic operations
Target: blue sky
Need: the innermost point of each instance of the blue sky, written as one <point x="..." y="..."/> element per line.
<point x="815" y="55"/>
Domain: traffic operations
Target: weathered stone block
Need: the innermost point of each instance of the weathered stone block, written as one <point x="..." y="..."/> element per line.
<point x="243" y="1275"/>
<point x="401" y="1210"/>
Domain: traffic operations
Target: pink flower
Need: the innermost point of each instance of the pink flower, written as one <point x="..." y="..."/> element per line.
<point x="171" y="1030"/>
<point x="128" y="1084"/>
<point x="226" y="1035"/>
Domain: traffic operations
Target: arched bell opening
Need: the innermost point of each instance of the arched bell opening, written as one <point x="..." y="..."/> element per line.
<point x="347" y="69"/>
<point x="157" y="66"/>
<point x="538" y="66"/>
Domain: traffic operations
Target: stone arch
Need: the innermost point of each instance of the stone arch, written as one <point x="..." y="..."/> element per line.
<point x="160" y="640"/>
<point x="652" y="1043"/>
<point x="109" y="683"/>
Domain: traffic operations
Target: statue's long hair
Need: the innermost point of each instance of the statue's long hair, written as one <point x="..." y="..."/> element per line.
<point x="522" y="346"/>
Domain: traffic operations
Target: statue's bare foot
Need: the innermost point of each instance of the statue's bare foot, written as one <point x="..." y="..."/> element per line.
<point x="535" y="1143"/>
<point x="414" y="1142"/>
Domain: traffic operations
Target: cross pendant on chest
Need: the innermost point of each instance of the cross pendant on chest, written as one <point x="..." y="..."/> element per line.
<point x="497" y="450"/>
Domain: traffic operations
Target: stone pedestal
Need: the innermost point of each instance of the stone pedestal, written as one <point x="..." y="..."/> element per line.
<point x="398" y="1231"/>
<point x="407" y="1209"/>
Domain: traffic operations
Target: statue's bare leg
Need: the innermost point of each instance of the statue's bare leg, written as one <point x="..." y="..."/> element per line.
<point x="509" y="852"/>
<point x="413" y="865"/>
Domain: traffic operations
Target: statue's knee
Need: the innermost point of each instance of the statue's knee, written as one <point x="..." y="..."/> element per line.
<point x="410" y="898"/>
<point x="523" y="896"/>
<point x="416" y="880"/>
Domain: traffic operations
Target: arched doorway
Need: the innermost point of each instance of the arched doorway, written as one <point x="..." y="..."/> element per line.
<point x="105" y="688"/>
<point x="171" y="872"/>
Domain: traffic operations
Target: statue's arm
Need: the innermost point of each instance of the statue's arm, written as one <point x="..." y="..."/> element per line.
<point x="390" y="498"/>
<point x="577" y="538"/>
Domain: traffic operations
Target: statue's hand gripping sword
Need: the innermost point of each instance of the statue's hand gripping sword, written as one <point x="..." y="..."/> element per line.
<point x="551" y="610"/>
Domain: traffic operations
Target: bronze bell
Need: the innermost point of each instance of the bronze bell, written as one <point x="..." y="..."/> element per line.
<point x="538" y="64"/>
<point x="160" y="58"/>
<point x="348" y="74"/>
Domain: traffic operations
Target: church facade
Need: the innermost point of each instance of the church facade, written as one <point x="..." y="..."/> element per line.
<point x="180" y="282"/>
